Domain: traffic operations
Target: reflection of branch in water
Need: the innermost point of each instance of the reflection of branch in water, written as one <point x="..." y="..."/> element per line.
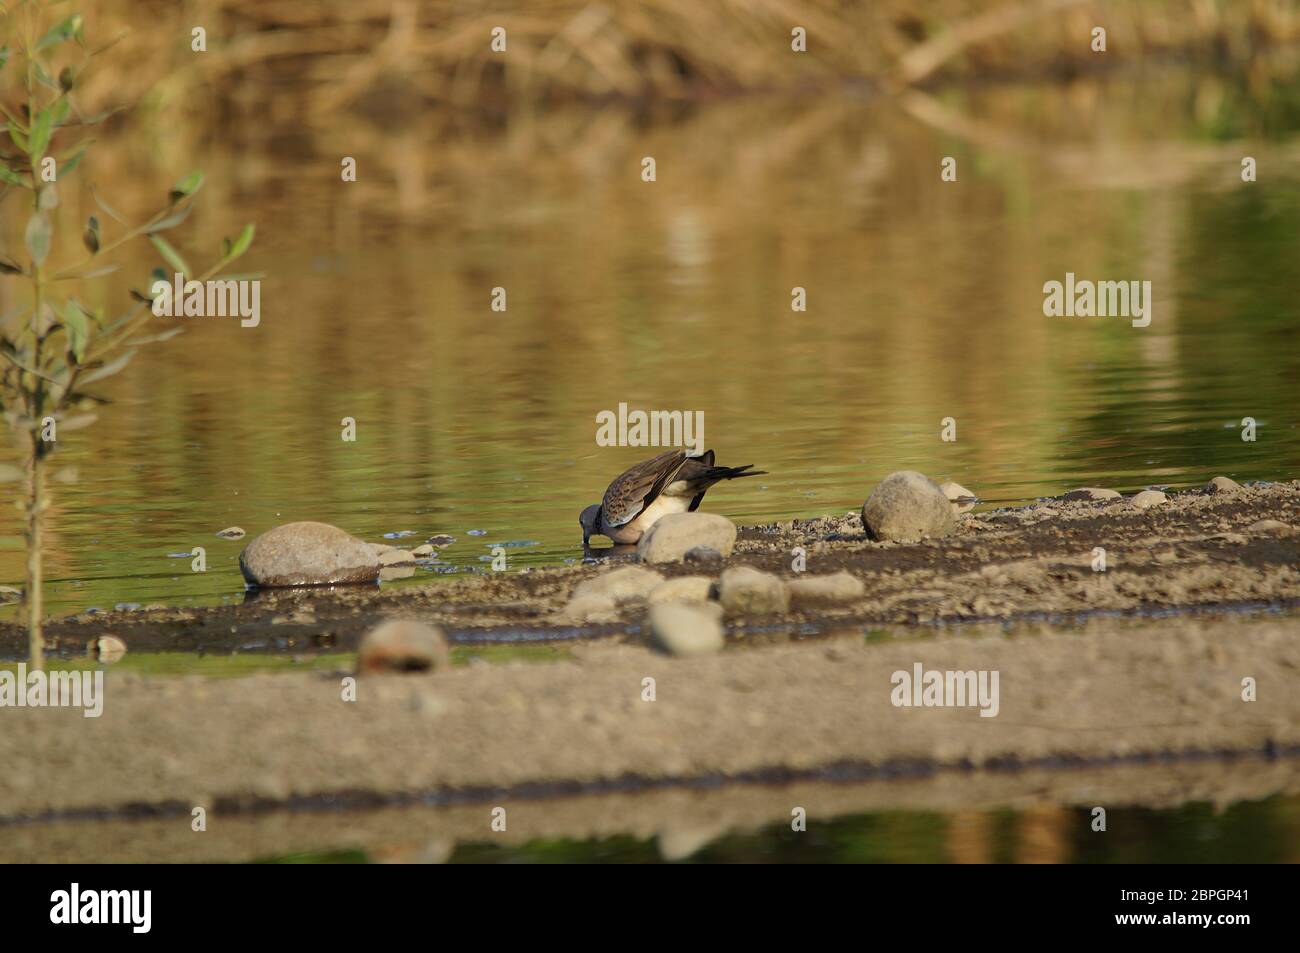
<point x="923" y="60"/>
<point x="1110" y="163"/>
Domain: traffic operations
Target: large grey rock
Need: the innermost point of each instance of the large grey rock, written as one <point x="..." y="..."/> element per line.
<point x="693" y="589"/>
<point x="680" y="629"/>
<point x="834" y="589"/>
<point x="672" y="536"/>
<point x="401" y="645"/>
<point x="307" y="554"/>
<point x="599" y="599"/>
<point x="907" y="505"/>
<point x="746" y="591"/>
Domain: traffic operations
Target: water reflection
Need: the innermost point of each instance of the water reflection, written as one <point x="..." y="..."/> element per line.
<point x="923" y="302"/>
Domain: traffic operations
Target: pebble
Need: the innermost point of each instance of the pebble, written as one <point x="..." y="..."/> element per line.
<point x="686" y="630"/>
<point x="106" y="649"/>
<point x="694" y="589"/>
<point x="836" y="588"/>
<point x="672" y="536"/>
<point x="1270" y="528"/>
<point x="962" y="499"/>
<point x="403" y="645"/>
<point x="1221" y="484"/>
<point x="743" y="590"/>
<point x="14" y="594"/>
<point x="1148" y="498"/>
<point x="231" y="532"/>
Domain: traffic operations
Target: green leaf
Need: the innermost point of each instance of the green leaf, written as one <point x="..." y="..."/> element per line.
<point x="170" y="254"/>
<point x="4" y="56"/>
<point x="109" y="369"/>
<point x="171" y="221"/>
<point x="47" y="198"/>
<point x="78" y="328"/>
<point x="38" y="237"/>
<point x="63" y="30"/>
<point x="42" y="128"/>
<point x="107" y="209"/>
<point x="16" y="134"/>
<point x="187" y="186"/>
<point x="240" y="244"/>
<point x="11" y="177"/>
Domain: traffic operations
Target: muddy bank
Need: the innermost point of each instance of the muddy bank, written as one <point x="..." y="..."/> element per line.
<point x="1098" y="696"/>
<point x="1011" y="564"/>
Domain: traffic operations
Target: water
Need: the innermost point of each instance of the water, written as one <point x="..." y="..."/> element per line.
<point x="1246" y="832"/>
<point x="924" y="302"/>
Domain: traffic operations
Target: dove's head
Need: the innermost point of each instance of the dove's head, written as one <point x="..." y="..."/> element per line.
<point x="589" y="520"/>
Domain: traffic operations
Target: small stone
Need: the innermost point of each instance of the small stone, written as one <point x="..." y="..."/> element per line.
<point x="424" y="551"/>
<point x="1270" y="528"/>
<point x="599" y="599"/>
<point x="14" y="594"/>
<point x="232" y="532"/>
<point x="671" y="536"/>
<point x="693" y="589"/>
<point x="907" y="505"/>
<point x="743" y="590"/>
<point x="1091" y="494"/>
<point x="1221" y="484"/>
<point x="703" y="556"/>
<point x="1148" y="498"/>
<point x="837" y="588"/>
<point x="686" y="630"/>
<point x="442" y="539"/>
<point x="106" y="649"/>
<point x="307" y="554"/>
<point x="402" y="645"/>
<point x="962" y="499"/>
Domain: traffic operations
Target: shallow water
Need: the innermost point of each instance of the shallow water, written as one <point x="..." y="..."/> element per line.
<point x="1246" y="832"/>
<point x="924" y="302"/>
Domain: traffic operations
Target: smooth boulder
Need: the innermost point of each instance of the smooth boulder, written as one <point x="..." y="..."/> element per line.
<point x="673" y="536"/>
<point x="1222" y="484"/>
<point x="402" y="645"/>
<point x="907" y="505"/>
<point x="307" y="554"/>
<point x="694" y="589"/>
<point x="834" y="589"/>
<point x="686" y="630"/>
<point x="743" y="590"/>
<point x="599" y="599"/>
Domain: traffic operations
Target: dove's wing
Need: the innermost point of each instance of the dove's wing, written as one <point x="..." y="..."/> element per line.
<point x="637" y="488"/>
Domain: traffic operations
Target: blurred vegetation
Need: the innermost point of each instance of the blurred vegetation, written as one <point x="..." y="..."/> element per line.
<point x="53" y="344"/>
